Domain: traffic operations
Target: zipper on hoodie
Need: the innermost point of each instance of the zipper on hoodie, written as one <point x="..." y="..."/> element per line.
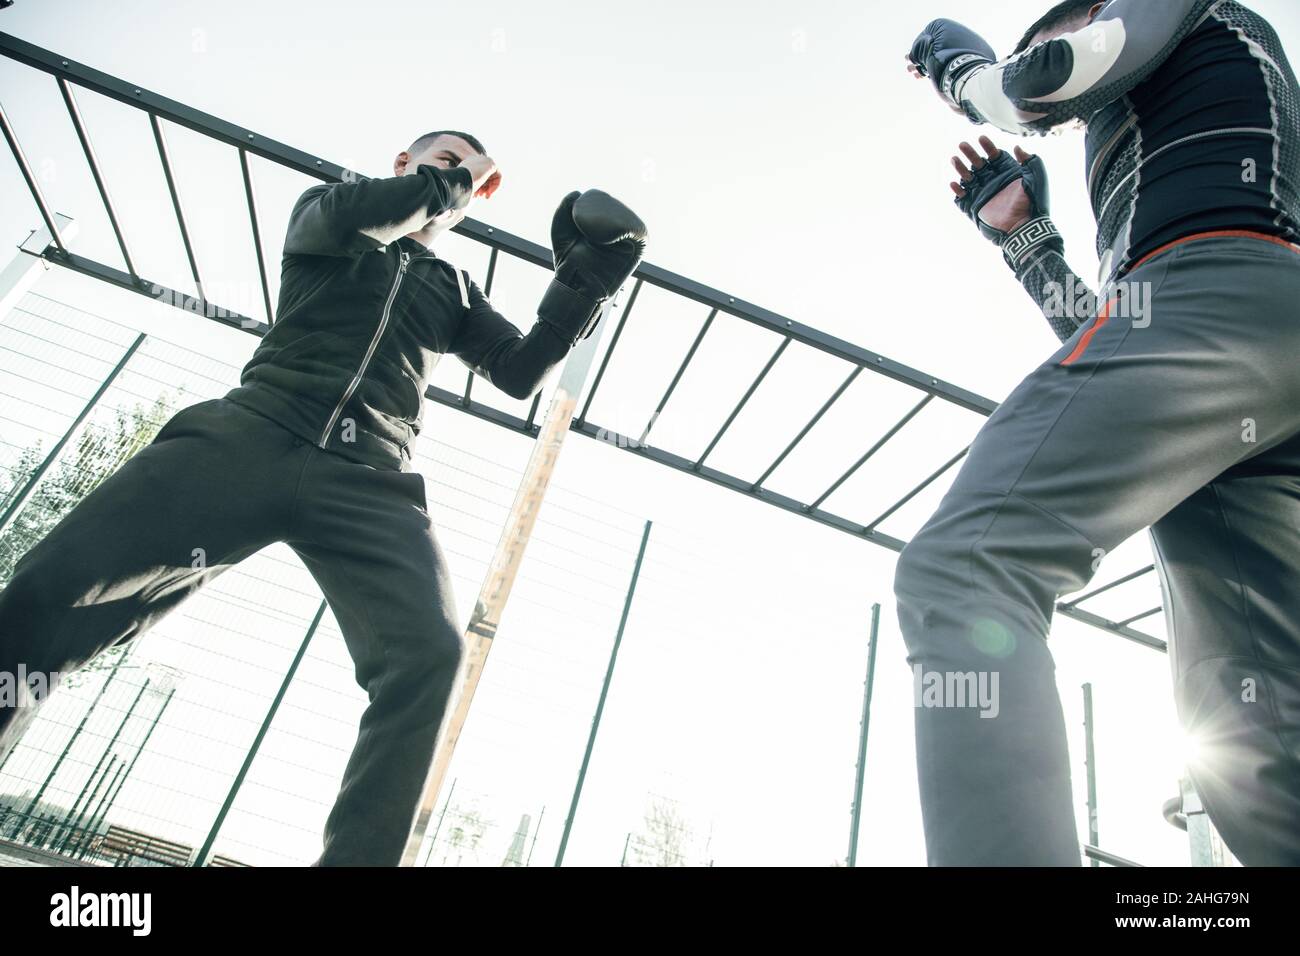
<point x="370" y="352"/>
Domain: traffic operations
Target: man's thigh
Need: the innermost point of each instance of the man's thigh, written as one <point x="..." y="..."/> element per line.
<point x="366" y="536"/>
<point x="214" y="486"/>
<point x="1134" y="416"/>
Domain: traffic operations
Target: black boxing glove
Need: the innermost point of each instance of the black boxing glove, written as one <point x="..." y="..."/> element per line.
<point x="946" y="51"/>
<point x="1028" y="239"/>
<point x="597" y="243"/>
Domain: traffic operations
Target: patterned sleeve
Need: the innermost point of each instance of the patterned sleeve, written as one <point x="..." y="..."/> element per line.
<point x="1067" y="302"/>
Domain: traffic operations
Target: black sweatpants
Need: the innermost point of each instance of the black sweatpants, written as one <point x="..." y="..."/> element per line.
<point x="222" y="478"/>
<point x="1187" y="421"/>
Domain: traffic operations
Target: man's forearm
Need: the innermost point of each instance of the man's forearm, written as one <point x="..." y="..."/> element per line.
<point x="1067" y="302"/>
<point x="350" y="218"/>
<point x="519" y="364"/>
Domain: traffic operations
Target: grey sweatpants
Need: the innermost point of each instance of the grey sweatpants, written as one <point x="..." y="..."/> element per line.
<point x="1190" y="425"/>
<point x="226" y="480"/>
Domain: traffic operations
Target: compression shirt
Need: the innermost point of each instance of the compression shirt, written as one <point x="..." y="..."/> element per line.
<point x="1193" y="117"/>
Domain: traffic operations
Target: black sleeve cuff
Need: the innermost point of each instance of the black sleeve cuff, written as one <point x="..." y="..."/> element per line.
<point x="457" y="188"/>
<point x="569" y="313"/>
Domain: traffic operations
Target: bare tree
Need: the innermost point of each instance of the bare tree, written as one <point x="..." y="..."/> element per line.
<point x="666" y="835"/>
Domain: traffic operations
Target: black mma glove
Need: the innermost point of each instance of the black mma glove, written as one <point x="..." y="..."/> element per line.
<point x="946" y="52"/>
<point x="1023" y="244"/>
<point x="597" y="243"/>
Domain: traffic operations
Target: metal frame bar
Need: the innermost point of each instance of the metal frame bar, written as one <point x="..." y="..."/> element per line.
<point x="531" y="423"/>
<point x="251" y="197"/>
<point x="677" y="377"/>
<point x="609" y="352"/>
<point x="1110" y="859"/>
<point x="1073" y="610"/>
<point x="33" y="187"/>
<point x="812" y="423"/>
<point x="211" y="126"/>
<point x="749" y="393"/>
<point x="1113" y="584"/>
<point x="1104" y="624"/>
<point x="871" y="452"/>
<point x="152" y="290"/>
<point x="491" y="271"/>
<point x="1141" y="617"/>
<point x="753" y="314"/>
<point x="921" y="487"/>
<point x="156" y="125"/>
<point x="815" y="338"/>
<point x="74" y="114"/>
<point x="487" y="291"/>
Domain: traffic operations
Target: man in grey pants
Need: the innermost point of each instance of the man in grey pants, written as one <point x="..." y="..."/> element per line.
<point x="1173" y="403"/>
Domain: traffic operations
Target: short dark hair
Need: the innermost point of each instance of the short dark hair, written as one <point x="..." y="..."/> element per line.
<point x="428" y="138"/>
<point x="1062" y="13"/>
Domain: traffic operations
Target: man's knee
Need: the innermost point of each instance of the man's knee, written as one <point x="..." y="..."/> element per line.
<point x="29" y="604"/>
<point x="55" y="616"/>
<point x="427" y="663"/>
<point x="926" y="566"/>
<point x="1002" y="546"/>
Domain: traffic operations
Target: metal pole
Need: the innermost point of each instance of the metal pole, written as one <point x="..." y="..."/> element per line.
<point x="73" y="739"/>
<point x="1199" y="832"/>
<point x="93" y="779"/>
<point x="16" y="503"/>
<point x="110" y="796"/>
<point x="506" y="561"/>
<point x="433" y="840"/>
<point x="536" y="830"/>
<point x="861" y="769"/>
<point x="1091" y="764"/>
<point x="71" y="831"/>
<point x="201" y="857"/>
<point x="101" y="811"/>
<point x="1096" y="853"/>
<point x="604" y="695"/>
<point x="626" y="843"/>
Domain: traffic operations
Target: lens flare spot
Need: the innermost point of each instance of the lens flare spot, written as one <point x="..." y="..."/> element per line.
<point x="992" y="638"/>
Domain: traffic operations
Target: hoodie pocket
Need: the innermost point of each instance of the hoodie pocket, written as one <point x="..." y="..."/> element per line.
<point x="324" y="344"/>
<point x="414" y="403"/>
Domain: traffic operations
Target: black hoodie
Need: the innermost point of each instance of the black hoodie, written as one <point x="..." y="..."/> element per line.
<point x="365" y="313"/>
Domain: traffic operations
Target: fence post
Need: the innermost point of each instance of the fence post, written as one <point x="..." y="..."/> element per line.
<point x="201" y="858"/>
<point x="861" y="769"/>
<point x="16" y="502"/>
<point x="604" y="694"/>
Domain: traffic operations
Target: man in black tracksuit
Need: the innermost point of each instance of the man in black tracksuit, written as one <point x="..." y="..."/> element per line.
<point x="314" y="449"/>
<point x="1173" y="403"/>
